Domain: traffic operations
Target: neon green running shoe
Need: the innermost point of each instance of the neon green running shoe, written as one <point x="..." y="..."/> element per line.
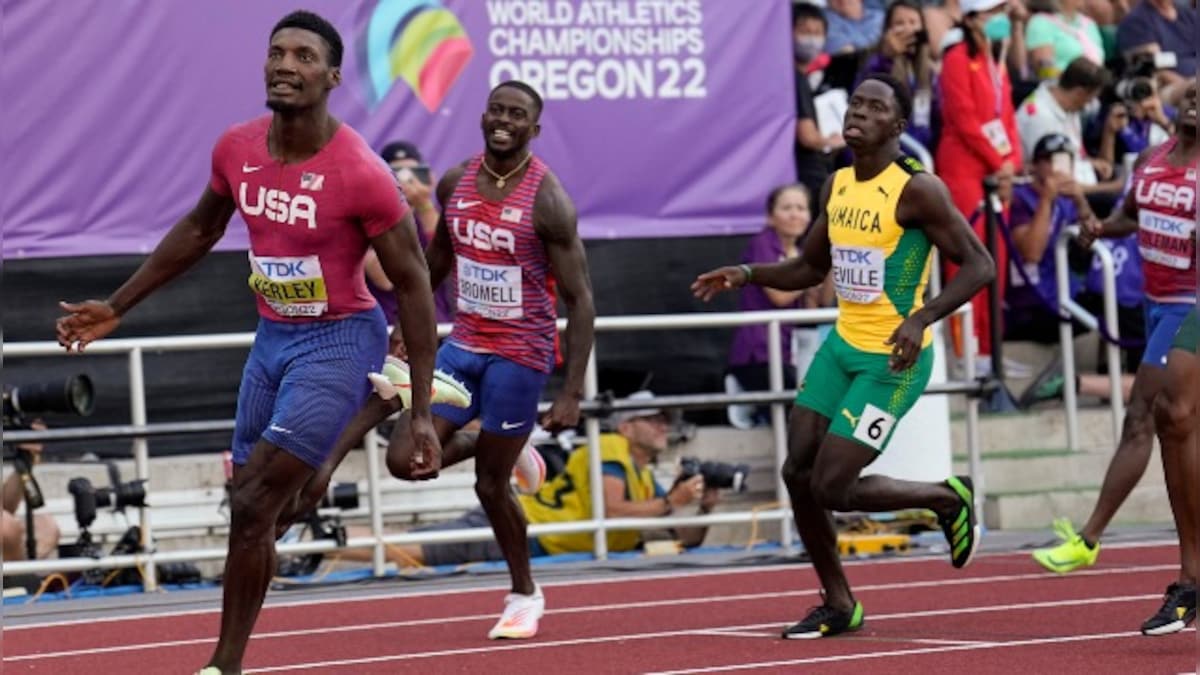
<point x="394" y="380"/>
<point x="1071" y="554"/>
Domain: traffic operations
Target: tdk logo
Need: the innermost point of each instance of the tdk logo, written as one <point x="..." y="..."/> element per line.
<point x="280" y="207"/>
<point x="483" y="236"/>
<point x="282" y="270"/>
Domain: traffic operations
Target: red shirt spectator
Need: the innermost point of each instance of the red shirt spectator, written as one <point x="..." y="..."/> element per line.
<point x="979" y="133"/>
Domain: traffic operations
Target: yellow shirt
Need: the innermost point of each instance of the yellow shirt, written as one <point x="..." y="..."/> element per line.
<point x="880" y="269"/>
<point x="568" y="497"/>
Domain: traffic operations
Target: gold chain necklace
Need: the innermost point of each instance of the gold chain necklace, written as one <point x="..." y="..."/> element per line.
<point x="501" y="180"/>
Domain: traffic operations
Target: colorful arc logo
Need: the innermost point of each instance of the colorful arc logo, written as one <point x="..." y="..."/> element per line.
<point x="418" y="41"/>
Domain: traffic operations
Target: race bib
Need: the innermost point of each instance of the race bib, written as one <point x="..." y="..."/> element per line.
<point x="489" y="291"/>
<point x="291" y="286"/>
<point x="1166" y="240"/>
<point x="997" y="136"/>
<point x="873" y="426"/>
<point x="922" y="114"/>
<point x="858" y="273"/>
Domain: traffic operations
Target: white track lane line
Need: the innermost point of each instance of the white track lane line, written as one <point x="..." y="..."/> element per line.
<point x="646" y="604"/>
<point x="699" y="631"/>
<point x="904" y="652"/>
<point x="503" y="585"/>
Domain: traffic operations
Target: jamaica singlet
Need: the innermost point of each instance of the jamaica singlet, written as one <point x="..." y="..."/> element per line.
<point x="880" y="269"/>
<point x="502" y="273"/>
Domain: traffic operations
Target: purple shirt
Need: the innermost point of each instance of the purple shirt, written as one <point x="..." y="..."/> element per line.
<point x="750" y="342"/>
<point x="443" y="305"/>
<point x="1043" y="291"/>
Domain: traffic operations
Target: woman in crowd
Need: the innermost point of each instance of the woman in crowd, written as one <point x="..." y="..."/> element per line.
<point x="905" y="53"/>
<point x="789" y="214"/>
<point x="1057" y="38"/>
<point x="979" y="132"/>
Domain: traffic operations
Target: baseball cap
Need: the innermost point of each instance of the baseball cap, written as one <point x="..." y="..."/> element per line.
<point x="975" y="6"/>
<point x="1050" y="145"/>
<point x="399" y="150"/>
<point x="634" y="413"/>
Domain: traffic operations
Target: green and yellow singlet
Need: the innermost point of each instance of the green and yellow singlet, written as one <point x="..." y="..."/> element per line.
<point x="880" y="269"/>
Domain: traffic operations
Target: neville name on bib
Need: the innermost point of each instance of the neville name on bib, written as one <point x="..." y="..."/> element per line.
<point x="502" y="274"/>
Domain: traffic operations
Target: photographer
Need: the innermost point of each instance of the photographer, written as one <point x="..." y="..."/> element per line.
<point x="630" y="491"/>
<point x="1164" y="31"/>
<point x="12" y="527"/>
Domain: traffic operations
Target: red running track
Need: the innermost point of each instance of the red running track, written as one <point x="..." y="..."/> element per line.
<point x="1001" y="615"/>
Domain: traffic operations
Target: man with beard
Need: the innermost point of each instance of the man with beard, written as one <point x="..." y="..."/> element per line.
<point x="314" y="197"/>
<point x="508" y="234"/>
<point x="882" y="217"/>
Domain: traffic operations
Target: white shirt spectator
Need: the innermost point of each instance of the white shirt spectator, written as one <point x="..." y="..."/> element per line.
<point x="1040" y="114"/>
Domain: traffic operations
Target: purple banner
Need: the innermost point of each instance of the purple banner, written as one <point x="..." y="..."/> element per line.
<point x="663" y="117"/>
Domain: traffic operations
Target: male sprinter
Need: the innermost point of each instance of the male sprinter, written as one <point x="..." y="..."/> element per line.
<point x="1161" y="208"/>
<point x="313" y="196"/>
<point x="507" y="233"/>
<point x="881" y="217"/>
<point x="1176" y="415"/>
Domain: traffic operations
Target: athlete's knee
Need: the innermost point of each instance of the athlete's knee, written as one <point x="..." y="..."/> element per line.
<point x="796" y="475"/>
<point x="399" y="463"/>
<point x="491" y="489"/>
<point x="254" y="509"/>
<point x="1173" y="415"/>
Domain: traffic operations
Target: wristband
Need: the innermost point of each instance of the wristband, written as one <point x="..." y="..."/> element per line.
<point x="747" y="271"/>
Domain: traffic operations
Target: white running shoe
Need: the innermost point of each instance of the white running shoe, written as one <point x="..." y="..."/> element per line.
<point x="530" y="470"/>
<point x="520" y="617"/>
<point x="396" y="380"/>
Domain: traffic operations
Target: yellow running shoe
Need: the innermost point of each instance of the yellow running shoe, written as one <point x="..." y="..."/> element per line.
<point x="396" y="380"/>
<point x="1071" y="554"/>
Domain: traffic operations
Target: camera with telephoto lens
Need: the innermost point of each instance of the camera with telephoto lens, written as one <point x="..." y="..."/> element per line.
<point x="716" y="474"/>
<point x="73" y="395"/>
<point x="1137" y="80"/>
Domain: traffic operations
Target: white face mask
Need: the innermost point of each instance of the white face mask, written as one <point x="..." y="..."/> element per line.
<point x="808" y="47"/>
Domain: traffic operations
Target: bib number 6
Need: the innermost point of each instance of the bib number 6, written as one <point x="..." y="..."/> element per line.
<point x="874" y="426"/>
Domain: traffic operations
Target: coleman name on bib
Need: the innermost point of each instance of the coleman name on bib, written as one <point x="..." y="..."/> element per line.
<point x="1166" y="240"/>
<point x="292" y="286"/>
<point x="490" y="291"/>
<point x="858" y="273"/>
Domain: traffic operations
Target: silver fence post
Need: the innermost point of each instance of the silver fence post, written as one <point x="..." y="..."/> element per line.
<point x="591" y="390"/>
<point x="974" y="443"/>
<point x="141" y="461"/>
<point x="375" y="500"/>
<point x="1115" y="395"/>
<point x="779" y="430"/>
<point x="1067" y="339"/>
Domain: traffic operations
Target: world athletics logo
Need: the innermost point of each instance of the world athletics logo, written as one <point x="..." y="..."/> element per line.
<point x="418" y="41"/>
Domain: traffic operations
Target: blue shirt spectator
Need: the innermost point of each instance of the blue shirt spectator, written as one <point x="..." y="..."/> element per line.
<point x="852" y="26"/>
<point x="1163" y="26"/>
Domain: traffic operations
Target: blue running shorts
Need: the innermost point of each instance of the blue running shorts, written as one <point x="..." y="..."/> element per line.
<point x="303" y="382"/>
<point x="504" y="393"/>
<point x="1162" y="323"/>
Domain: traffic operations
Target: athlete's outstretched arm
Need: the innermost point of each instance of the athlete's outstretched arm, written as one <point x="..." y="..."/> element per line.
<point x="189" y="240"/>
<point x="555" y="220"/>
<point x="1121" y="222"/>
<point x="440" y="252"/>
<point x="806" y="270"/>
<point x="926" y="204"/>
<point x="399" y="252"/>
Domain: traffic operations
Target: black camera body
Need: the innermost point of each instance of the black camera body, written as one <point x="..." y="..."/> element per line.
<point x="119" y="495"/>
<point x="1137" y="79"/>
<point x="720" y="475"/>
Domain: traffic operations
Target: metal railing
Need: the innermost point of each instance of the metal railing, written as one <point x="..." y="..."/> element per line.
<point x="1067" y="337"/>
<point x="593" y="406"/>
